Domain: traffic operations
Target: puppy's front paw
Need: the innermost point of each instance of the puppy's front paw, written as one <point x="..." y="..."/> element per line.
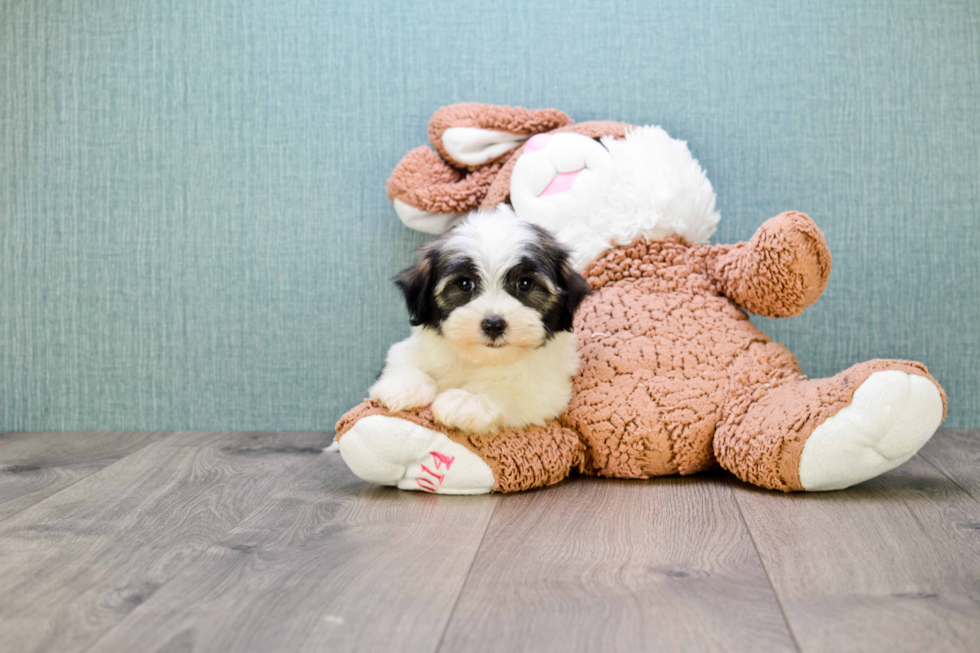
<point x="465" y="411"/>
<point x="404" y="392"/>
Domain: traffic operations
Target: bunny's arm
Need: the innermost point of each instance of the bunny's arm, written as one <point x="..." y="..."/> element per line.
<point x="780" y="271"/>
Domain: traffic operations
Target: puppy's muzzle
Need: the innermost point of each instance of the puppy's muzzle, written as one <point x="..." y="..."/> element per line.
<point x="493" y="326"/>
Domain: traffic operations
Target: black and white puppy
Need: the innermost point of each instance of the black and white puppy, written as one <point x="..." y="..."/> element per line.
<point x="491" y="304"/>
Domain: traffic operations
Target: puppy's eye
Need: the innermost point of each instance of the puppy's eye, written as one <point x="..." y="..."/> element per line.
<point x="466" y="285"/>
<point x="525" y="284"/>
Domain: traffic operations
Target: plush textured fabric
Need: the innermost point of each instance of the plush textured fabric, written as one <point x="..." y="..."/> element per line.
<point x="194" y="231"/>
<point x="781" y="271"/>
<point x="521" y="459"/>
<point x="499" y="188"/>
<point x="515" y="120"/>
<point x="763" y="433"/>
<point x="674" y="378"/>
<point x="423" y="180"/>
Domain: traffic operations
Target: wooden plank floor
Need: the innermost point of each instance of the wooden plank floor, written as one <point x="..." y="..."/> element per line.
<point x="258" y="542"/>
<point x="33" y="466"/>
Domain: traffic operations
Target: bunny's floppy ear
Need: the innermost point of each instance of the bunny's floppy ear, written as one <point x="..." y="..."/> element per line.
<point x="471" y="135"/>
<point x="431" y="192"/>
<point x="430" y="195"/>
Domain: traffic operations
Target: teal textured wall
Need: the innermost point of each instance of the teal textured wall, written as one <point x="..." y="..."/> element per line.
<point x="193" y="228"/>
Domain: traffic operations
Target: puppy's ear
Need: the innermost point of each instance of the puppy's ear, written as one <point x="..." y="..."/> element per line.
<point x="416" y="284"/>
<point x="575" y="288"/>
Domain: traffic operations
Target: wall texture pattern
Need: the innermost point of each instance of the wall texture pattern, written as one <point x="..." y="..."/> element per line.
<point x="193" y="228"/>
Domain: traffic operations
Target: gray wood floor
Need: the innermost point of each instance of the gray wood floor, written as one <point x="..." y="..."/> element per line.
<point x="258" y="542"/>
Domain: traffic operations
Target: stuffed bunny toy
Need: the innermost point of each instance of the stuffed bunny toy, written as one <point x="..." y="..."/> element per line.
<point x="673" y="378"/>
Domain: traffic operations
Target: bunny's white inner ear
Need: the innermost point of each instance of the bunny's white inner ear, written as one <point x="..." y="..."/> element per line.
<point x="430" y="223"/>
<point x="472" y="146"/>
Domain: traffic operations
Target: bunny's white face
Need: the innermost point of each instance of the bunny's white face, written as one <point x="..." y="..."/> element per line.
<point x="591" y="194"/>
<point x="560" y="182"/>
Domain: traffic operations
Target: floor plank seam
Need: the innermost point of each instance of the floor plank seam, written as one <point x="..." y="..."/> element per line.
<point x="948" y="477"/>
<point x="82" y="478"/>
<point x="466" y="578"/>
<point x="188" y="563"/>
<point x="765" y="570"/>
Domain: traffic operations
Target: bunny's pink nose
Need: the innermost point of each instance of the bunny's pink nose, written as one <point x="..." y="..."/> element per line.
<point x="537" y="141"/>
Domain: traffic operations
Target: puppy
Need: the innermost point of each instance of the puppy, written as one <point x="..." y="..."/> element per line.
<point x="491" y="304"/>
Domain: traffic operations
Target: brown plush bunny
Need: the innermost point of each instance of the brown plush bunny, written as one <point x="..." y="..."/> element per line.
<point x="674" y="379"/>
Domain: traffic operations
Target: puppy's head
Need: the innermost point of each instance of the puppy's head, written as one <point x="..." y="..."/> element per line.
<point x="494" y="286"/>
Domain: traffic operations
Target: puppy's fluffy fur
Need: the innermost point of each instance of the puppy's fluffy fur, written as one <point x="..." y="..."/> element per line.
<point x="491" y="304"/>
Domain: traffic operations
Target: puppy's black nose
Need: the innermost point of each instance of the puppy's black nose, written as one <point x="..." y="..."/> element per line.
<point x="494" y="326"/>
